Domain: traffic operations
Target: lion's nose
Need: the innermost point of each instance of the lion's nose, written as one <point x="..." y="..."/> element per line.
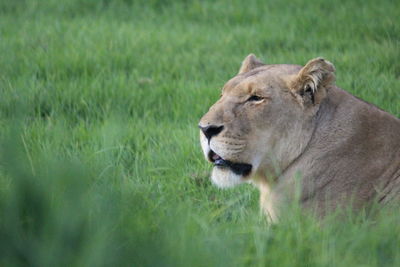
<point x="211" y="130"/>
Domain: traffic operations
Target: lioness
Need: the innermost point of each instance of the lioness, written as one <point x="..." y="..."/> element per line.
<point x="283" y="126"/>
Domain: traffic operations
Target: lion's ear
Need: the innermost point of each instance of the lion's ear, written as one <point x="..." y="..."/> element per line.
<point x="249" y="63"/>
<point x="312" y="80"/>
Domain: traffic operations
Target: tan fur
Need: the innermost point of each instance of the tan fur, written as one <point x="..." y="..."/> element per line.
<point x="345" y="151"/>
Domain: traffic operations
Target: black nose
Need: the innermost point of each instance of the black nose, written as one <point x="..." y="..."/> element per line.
<point x="211" y="130"/>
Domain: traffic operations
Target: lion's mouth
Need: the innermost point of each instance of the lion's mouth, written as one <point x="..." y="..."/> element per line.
<point x="243" y="169"/>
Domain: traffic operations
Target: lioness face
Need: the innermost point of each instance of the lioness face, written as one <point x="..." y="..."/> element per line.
<point x="257" y="124"/>
<point x="251" y="115"/>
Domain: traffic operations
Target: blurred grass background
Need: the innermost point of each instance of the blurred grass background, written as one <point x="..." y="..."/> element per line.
<point x="100" y="163"/>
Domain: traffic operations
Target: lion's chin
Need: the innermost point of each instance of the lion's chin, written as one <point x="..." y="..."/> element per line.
<point x="224" y="177"/>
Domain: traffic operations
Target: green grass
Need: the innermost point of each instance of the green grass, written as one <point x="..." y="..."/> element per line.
<point x="99" y="103"/>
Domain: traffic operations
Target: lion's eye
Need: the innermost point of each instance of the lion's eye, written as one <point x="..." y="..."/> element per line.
<point x="254" y="98"/>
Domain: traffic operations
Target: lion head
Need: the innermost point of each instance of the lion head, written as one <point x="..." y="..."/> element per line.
<point x="263" y="119"/>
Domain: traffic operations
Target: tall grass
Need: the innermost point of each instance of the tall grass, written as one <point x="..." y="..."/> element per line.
<point x="99" y="104"/>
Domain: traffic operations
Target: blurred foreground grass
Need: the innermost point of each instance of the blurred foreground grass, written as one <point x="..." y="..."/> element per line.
<point x="100" y="162"/>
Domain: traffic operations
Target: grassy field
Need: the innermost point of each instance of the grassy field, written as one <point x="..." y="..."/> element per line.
<point x="100" y="163"/>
